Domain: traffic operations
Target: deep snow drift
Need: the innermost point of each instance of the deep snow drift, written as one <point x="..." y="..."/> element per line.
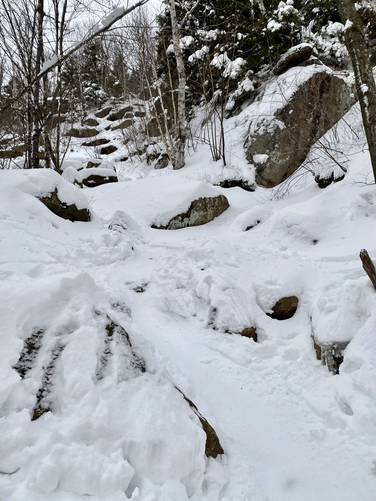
<point x="103" y="321"/>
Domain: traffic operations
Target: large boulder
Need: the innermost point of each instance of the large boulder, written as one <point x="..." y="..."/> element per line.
<point x="119" y="114"/>
<point x="293" y="57"/>
<point x="100" y="141"/>
<point x="90" y="122"/>
<point x="201" y="211"/>
<point x="103" y="112"/>
<point x="82" y="133"/>
<point x="125" y="124"/>
<point x="280" y="139"/>
<point x="55" y="204"/>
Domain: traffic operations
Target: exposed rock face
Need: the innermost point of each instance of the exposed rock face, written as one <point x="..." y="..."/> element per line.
<point x="201" y="211"/>
<point x="238" y="183"/>
<point x="103" y="112"/>
<point x="107" y="150"/>
<point x="82" y="133"/>
<point x="125" y="124"/>
<point x="119" y="114"/>
<point x="285" y="308"/>
<point x="330" y="355"/>
<point x="92" y="164"/>
<point x="213" y="447"/>
<point x="250" y="332"/>
<point x="96" y="142"/>
<point x="281" y="143"/>
<point x="63" y="210"/>
<point x="293" y="57"/>
<point x="90" y="122"/>
<point x="97" y="180"/>
<point x="15" y="152"/>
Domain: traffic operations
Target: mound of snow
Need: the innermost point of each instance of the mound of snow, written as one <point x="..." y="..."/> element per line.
<point x="40" y="183"/>
<point x="153" y="200"/>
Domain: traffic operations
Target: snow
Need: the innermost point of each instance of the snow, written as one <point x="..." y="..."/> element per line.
<point x="153" y="200"/>
<point x="291" y="431"/>
<point x="41" y="183"/>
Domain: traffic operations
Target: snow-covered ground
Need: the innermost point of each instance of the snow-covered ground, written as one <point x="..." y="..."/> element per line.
<point x="117" y="427"/>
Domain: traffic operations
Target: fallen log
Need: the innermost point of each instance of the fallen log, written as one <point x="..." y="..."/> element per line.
<point x="368" y="266"/>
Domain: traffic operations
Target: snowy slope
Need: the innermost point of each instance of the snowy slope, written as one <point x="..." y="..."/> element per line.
<point x="117" y="428"/>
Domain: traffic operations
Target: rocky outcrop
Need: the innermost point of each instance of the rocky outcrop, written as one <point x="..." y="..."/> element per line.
<point x="293" y="57"/>
<point x="96" y="142"/>
<point x="250" y="333"/>
<point x="82" y="133"/>
<point x="64" y="210"/>
<point x="213" y="447"/>
<point x="201" y="211"/>
<point x="107" y="150"/>
<point x="90" y="122"/>
<point x="119" y="114"/>
<point x="125" y="124"/>
<point x="15" y="152"/>
<point x="94" y="180"/>
<point x="103" y="112"/>
<point x="278" y="145"/>
<point x="285" y="308"/>
<point x="93" y="164"/>
<point x="244" y="184"/>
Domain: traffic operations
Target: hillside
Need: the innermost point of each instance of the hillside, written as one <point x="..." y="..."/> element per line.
<point x="187" y="250"/>
<point x="121" y="340"/>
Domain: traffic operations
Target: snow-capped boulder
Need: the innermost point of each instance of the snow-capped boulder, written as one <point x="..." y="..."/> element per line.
<point x="119" y="114"/>
<point x="103" y="112"/>
<point x="90" y="177"/>
<point x="200" y="211"/>
<point x="58" y="195"/>
<point x="293" y="57"/>
<point x="100" y="141"/>
<point x="107" y="150"/>
<point x="125" y="124"/>
<point x="66" y="211"/>
<point x="295" y="111"/>
<point x="170" y="201"/>
<point x="82" y="133"/>
<point x="90" y="122"/>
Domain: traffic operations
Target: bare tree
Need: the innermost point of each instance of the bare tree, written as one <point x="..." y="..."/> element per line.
<point x="181" y="127"/>
<point x="357" y="45"/>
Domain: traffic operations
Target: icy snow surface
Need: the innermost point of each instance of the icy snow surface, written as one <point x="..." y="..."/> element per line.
<point x="291" y="431"/>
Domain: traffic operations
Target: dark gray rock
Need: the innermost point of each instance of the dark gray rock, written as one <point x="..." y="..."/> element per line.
<point x="103" y="112"/>
<point x="279" y="145"/>
<point x="90" y="122"/>
<point x="82" y="133"/>
<point x="63" y="210"/>
<point x="125" y="124"/>
<point x="201" y="211"/>
<point x="107" y="150"/>
<point x="284" y="308"/>
<point x="293" y="57"/>
<point x="96" y="142"/>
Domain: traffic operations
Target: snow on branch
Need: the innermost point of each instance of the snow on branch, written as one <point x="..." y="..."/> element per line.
<point x="103" y="26"/>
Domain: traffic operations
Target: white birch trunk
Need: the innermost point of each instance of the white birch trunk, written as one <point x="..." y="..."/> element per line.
<point x="181" y="126"/>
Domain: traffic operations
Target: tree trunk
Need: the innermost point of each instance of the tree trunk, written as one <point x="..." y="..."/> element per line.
<point x="357" y="45"/>
<point x="37" y="88"/>
<point x="181" y="126"/>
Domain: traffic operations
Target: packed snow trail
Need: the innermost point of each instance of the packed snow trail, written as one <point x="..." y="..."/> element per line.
<point x="110" y="430"/>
